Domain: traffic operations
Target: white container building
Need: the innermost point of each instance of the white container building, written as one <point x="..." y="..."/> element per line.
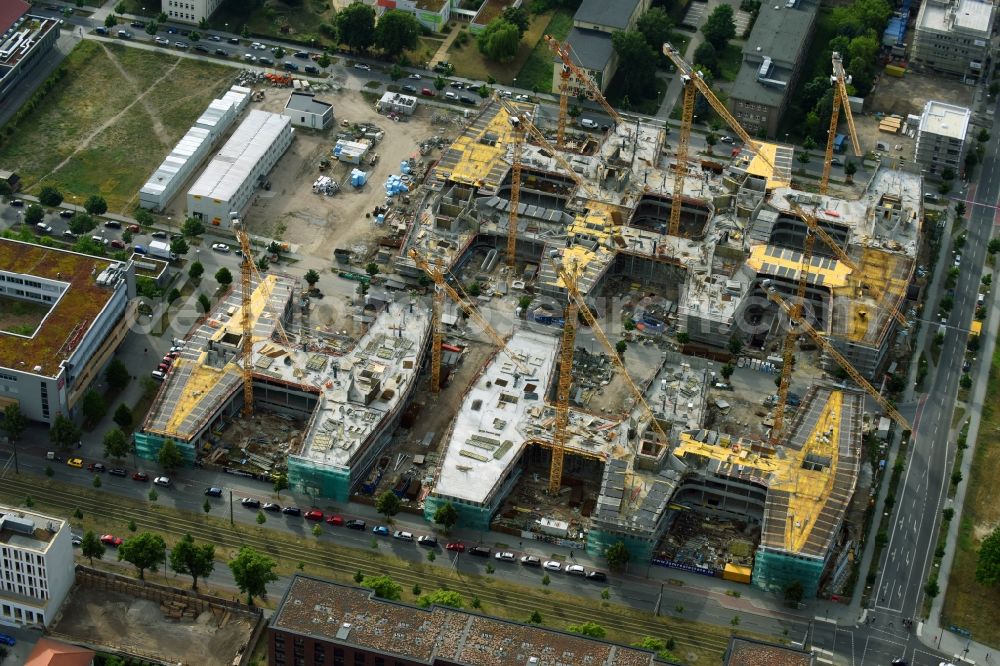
<point x="230" y="180"/>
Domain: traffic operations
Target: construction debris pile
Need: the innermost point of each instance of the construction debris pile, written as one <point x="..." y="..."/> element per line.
<point x="707" y="542"/>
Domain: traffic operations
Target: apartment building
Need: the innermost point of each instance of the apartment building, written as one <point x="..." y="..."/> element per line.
<point x="941" y="138"/>
<point x="190" y="11"/>
<point x="953" y="36"/>
<point x="772" y="62"/>
<point x="36" y="567"/>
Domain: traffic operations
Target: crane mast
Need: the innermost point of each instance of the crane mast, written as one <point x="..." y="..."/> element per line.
<point x="840" y="101"/>
<point x="677" y="200"/>
<point x="565" y="383"/>
<point x="515" y="189"/>
<point x="788" y="349"/>
<point x="246" y="295"/>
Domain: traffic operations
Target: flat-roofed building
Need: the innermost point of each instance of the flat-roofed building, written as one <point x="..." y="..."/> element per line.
<point x="954" y="36"/>
<point x="305" y="110"/>
<point x="81" y="312"/>
<point x="36" y="567"/>
<point x="190" y="11"/>
<point x="24" y="40"/>
<point x="230" y="180"/>
<point x="941" y="138"/>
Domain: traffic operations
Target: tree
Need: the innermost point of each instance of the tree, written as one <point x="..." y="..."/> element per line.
<point x="441" y="597"/>
<point x="174" y="294"/>
<point x="384" y="587"/>
<point x="500" y="40"/>
<point x="117" y="375"/>
<point x="151" y="28"/>
<point x="965" y="382"/>
<point x="446" y="516"/>
<point x="637" y="64"/>
<point x="196" y="270"/>
<point x="387" y="504"/>
<point x="719" y="27"/>
<point x="64" y="433"/>
<point x="93" y="406"/>
<point x="224" y="277"/>
<point x="115" y="444"/>
<point x="311" y="277"/>
<point x="192" y="227"/>
<point x="591" y="629"/>
<point x="50" y="196"/>
<point x="324" y="61"/>
<point x="620" y="347"/>
<point x="947" y="174"/>
<point x="189" y="559"/>
<point x="372" y="269"/>
<point x="727" y="371"/>
<point x="794" y="592"/>
<point x="95" y="205"/>
<point x="519" y="17"/>
<point x="263" y="263"/>
<point x="245" y="31"/>
<point x="658" y="645"/>
<point x="179" y="246"/>
<point x="535" y="618"/>
<point x="982" y="137"/>
<point x="110" y="21"/>
<point x="683" y="338"/>
<point x="195" y="36"/>
<point x="993" y="246"/>
<point x="252" y="571"/>
<point x="82" y="223"/>
<point x="706" y="55"/>
<point x="735" y="345"/>
<point x="121" y="8"/>
<point x="123" y="416"/>
<point x="850" y="168"/>
<point x="440" y="83"/>
<point x="656" y="27"/>
<point x="13" y="421"/>
<point x="356" y="26"/>
<point x="91" y="546"/>
<point x="143" y="551"/>
<point x="710" y="140"/>
<point x="397" y="31"/>
<point x="204" y="303"/>
<point x="395" y="72"/>
<point x="34" y="215"/>
<point x="617" y="555"/>
<point x="169" y="457"/>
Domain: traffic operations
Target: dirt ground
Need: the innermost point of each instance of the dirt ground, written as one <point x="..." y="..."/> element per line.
<point x="904" y="96"/>
<point x="136" y="625"/>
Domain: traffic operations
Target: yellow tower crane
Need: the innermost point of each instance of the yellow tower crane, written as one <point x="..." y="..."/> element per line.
<point x="840" y="101"/>
<point x="437" y="275"/>
<point x="246" y="294"/>
<point x="569" y="276"/>
<point x="563" y="386"/>
<point x="822" y="342"/>
<point x="788" y="349"/>
<point x="517" y="131"/>
<point x="693" y="78"/>
<point x="563" y="50"/>
<point x="563" y="105"/>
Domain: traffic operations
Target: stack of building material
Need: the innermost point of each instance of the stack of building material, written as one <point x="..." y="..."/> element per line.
<point x="890" y="124"/>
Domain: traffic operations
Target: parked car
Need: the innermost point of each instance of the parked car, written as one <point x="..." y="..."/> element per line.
<point x="402" y="536"/>
<point x="7" y="639"/>
<point x="134" y="228"/>
<point x="409" y="90"/>
<point x="364" y="66"/>
<point x="68" y="234"/>
<point x="159" y="234"/>
<point x="111" y="540"/>
<point x="181" y="45"/>
<point x="162" y="41"/>
<point x="356" y="525"/>
<point x="465" y="99"/>
<point x="96" y="467"/>
<point x="220" y="247"/>
<point x="290" y="66"/>
<point x="531" y="561"/>
<point x="598" y="576"/>
<point x="77" y="540"/>
<point x="456" y="546"/>
<point x="162" y="481"/>
<point x="314" y="514"/>
<point x="450" y="95"/>
<point x="505" y="556"/>
<point x="427" y="92"/>
<point x="140" y="476"/>
<point x="214" y="38"/>
<point x="118" y="244"/>
<point x="427" y="541"/>
<point x="250" y="502"/>
<point x="552" y="565"/>
<point x="726" y="139"/>
<point x="201" y="48"/>
<point x="213" y="491"/>
<point x="158" y="375"/>
<point x="415" y="77"/>
<point x="75" y="462"/>
<point x="576" y="570"/>
<point x="265" y="61"/>
<point x="272" y="507"/>
<point x="302" y="54"/>
<point x="335" y="520"/>
<point x="380" y="530"/>
<point x="480" y="551"/>
<point x="112" y="224"/>
<point x="292" y="511"/>
<point x="222" y="52"/>
<point x="118" y="471"/>
<point x="311" y="69"/>
<point x="66" y="214"/>
<point x="17" y="203"/>
<point x="101" y="30"/>
<point x="140" y="249"/>
<point x="234" y="40"/>
<point x="43" y="228"/>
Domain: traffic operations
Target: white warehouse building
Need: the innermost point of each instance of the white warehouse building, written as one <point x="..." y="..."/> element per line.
<point x="229" y="181"/>
<point x="305" y="110"/>
<point x="189" y="152"/>
<point x="36" y="567"/>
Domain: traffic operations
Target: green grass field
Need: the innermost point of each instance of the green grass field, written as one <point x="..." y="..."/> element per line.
<point x="299" y="21"/>
<point x="967" y="603"/>
<point x="112" y="119"/>
<point x="536" y="72"/>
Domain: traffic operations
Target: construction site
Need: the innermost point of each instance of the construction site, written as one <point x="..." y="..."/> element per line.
<point x="621" y="343"/>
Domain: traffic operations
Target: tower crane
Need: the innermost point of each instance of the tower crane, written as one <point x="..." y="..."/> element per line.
<point x="564" y="75"/>
<point x="246" y="294"/>
<point x="788" y="349"/>
<point x="566" y="359"/>
<point x="822" y="342"/>
<point x="840" y="101"/>
<point x="692" y="80"/>
<point x="517" y="131"/>
<point x="562" y="49"/>
<point x="565" y="382"/>
<point x="438" y="277"/>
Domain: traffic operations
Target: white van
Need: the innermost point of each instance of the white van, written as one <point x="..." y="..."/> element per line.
<point x="588" y="123"/>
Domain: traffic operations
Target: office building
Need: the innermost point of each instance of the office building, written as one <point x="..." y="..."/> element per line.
<point x="954" y="37"/>
<point x="941" y="138"/>
<point x="24" y="40"/>
<point x="190" y="11"/>
<point x="305" y="110"/>
<point x="36" y="567"/>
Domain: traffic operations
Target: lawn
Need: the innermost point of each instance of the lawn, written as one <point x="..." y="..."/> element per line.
<point x="968" y="604"/>
<point x="112" y="119"/>
<point x="729" y="61"/>
<point x="299" y="21"/>
<point x="536" y="71"/>
<point x="426" y="48"/>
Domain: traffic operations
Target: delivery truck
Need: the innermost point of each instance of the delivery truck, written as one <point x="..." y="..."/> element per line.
<point x="161" y="250"/>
